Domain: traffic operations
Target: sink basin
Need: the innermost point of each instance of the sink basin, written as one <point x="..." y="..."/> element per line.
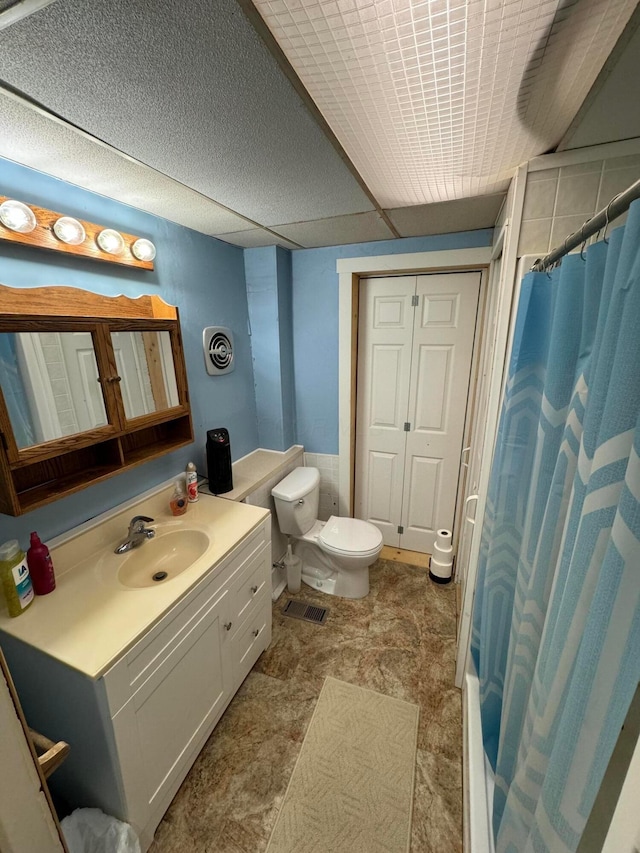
<point x="158" y="560"/>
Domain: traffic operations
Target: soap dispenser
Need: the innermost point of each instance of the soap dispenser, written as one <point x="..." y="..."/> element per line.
<point x="15" y="578"/>
<point x="178" y="503"/>
<point x="40" y="566"/>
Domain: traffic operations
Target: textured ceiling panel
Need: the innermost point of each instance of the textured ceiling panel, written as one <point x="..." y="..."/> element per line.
<point x="190" y="89"/>
<point x="440" y="99"/>
<point x="359" y="228"/>
<point x="33" y="139"/>
<point x="256" y="237"/>
<point x="465" y="214"/>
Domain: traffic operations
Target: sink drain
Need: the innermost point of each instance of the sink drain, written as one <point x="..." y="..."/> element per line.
<point x="159" y="576"/>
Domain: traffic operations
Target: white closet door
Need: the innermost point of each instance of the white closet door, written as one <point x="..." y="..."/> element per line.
<point x="440" y="370"/>
<point x="384" y="367"/>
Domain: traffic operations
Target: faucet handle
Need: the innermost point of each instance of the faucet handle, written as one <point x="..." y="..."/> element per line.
<point x="139" y="521"/>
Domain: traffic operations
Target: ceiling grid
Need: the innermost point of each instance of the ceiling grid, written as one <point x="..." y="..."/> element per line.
<point x="300" y="122"/>
<point x="441" y="99"/>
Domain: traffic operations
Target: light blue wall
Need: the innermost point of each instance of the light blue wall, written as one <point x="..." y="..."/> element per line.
<point x="268" y="275"/>
<point x="285" y="329"/>
<point x="315" y="326"/>
<point x="202" y="276"/>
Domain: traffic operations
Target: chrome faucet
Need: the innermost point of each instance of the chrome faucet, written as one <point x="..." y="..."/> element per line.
<point x="138" y="534"/>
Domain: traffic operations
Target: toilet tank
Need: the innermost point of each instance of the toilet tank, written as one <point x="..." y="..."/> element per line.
<point x="296" y="498"/>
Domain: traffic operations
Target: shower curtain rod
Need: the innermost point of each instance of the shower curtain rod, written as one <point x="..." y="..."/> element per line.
<point x="615" y="208"/>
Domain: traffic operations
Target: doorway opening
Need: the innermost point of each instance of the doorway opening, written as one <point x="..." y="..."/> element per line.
<point x="414" y="266"/>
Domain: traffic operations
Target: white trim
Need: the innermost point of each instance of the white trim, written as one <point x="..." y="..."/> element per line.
<point x="606" y="151"/>
<point x="415" y="262"/>
<point x="623" y="835"/>
<point x="500" y="356"/>
<point x="424" y="262"/>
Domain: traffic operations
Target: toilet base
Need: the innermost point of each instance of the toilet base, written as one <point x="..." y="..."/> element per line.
<point x="327" y="585"/>
<point x="318" y="573"/>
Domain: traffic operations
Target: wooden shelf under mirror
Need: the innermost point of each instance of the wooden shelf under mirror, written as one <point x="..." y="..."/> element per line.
<point x="90" y="385"/>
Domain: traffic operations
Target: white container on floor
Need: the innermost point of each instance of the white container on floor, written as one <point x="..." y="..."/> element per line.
<point x="293" y="566"/>
<point x="440" y="570"/>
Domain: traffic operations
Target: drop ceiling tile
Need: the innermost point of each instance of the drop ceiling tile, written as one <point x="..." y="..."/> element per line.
<point x="33" y="139"/>
<point x="443" y="217"/>
<point x="359" y="228"/>
<point x="256" y="237"/>
<point x="195" y="95"/>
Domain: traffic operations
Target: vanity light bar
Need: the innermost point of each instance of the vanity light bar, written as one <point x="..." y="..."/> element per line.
<point x="61" y="233"/>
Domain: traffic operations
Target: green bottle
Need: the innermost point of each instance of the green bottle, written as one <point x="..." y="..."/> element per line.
<point x="14" y="577"/>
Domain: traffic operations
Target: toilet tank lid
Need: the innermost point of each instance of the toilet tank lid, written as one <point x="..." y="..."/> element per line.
<point x="297" y="484"/>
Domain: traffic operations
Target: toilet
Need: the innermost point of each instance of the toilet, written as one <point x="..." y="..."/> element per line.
<point x="336" y="554"/>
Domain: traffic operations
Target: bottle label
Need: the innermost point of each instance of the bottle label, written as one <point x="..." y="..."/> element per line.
<point x="192" y="487"/>
<point x="23" y="584"/>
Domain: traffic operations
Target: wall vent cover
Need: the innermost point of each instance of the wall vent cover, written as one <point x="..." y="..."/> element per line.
<point x="218" y="350"/>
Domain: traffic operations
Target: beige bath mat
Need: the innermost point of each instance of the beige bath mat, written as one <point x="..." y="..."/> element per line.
<point x="352" y="786"/>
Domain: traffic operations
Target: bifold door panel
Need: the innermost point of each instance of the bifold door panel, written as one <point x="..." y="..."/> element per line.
<point x="414" y="360"/>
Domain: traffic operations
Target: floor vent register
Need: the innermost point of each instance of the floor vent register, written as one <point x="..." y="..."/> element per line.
<point x="306" y="612"/>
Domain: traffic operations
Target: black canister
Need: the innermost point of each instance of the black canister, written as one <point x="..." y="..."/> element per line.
<point x="219" y="461"/>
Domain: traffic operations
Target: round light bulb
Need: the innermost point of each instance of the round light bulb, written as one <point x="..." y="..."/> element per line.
<point x="69" y="230"/>
<point x="17" y="216"/>
<point x="144" y="250"/>
<point x="110" y="241"/>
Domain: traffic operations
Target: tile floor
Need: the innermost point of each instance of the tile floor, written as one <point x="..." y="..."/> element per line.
<point x="400" y="641"/>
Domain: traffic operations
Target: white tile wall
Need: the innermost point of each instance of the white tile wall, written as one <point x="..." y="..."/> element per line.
<point x="327" y="464"/>
<point x="558" y="201"/>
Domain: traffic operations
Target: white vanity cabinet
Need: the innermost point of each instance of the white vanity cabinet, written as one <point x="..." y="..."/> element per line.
<point x="136" y="731"/>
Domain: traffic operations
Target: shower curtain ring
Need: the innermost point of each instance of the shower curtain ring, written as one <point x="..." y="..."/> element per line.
<point x="606" y="217"/>
<point x="584" y="242"/>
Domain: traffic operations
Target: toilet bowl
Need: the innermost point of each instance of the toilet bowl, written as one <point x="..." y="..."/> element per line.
<point x="336" y="554"/>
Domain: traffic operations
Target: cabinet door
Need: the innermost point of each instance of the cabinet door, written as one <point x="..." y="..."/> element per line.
<point x="163" y="726"/>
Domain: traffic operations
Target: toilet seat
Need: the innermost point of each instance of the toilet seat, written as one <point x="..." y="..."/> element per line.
<point x="350" y="536"/>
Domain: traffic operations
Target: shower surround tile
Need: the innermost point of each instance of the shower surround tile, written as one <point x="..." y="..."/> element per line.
<point x="400" y="641"/>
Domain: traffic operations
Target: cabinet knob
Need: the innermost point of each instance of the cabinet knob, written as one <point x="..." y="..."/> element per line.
<point x="254" y="589"/>
<point x="301" y="501"/>
<point x="227" y="626"/>
<point x="256" y="632"/>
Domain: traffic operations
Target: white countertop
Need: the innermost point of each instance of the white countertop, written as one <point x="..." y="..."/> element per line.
<point x="254" y="469"/>
<point x="89" y="621"/>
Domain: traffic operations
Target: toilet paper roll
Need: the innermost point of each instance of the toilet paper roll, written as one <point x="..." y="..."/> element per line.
<point x="445" y="552"/>
<point x="443" y="539"/>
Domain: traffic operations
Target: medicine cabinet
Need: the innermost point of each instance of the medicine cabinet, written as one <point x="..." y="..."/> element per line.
<point x="90" y="386"/>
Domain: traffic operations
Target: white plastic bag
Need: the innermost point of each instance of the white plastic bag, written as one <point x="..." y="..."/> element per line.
<point x="92" y="831"/>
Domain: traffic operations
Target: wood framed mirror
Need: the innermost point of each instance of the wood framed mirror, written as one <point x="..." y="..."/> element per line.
<point x="89" y="385"/>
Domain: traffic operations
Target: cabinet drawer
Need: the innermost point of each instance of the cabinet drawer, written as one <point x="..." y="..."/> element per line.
<point x="249" y="585"/>
<point x="251" y="640"/>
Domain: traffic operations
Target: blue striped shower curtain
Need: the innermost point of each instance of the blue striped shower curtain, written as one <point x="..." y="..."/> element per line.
<point x="556" y="626"/>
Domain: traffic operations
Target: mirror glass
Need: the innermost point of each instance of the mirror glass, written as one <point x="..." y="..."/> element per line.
<point x="50" y="385"/>
<point x="145" y="365"/>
